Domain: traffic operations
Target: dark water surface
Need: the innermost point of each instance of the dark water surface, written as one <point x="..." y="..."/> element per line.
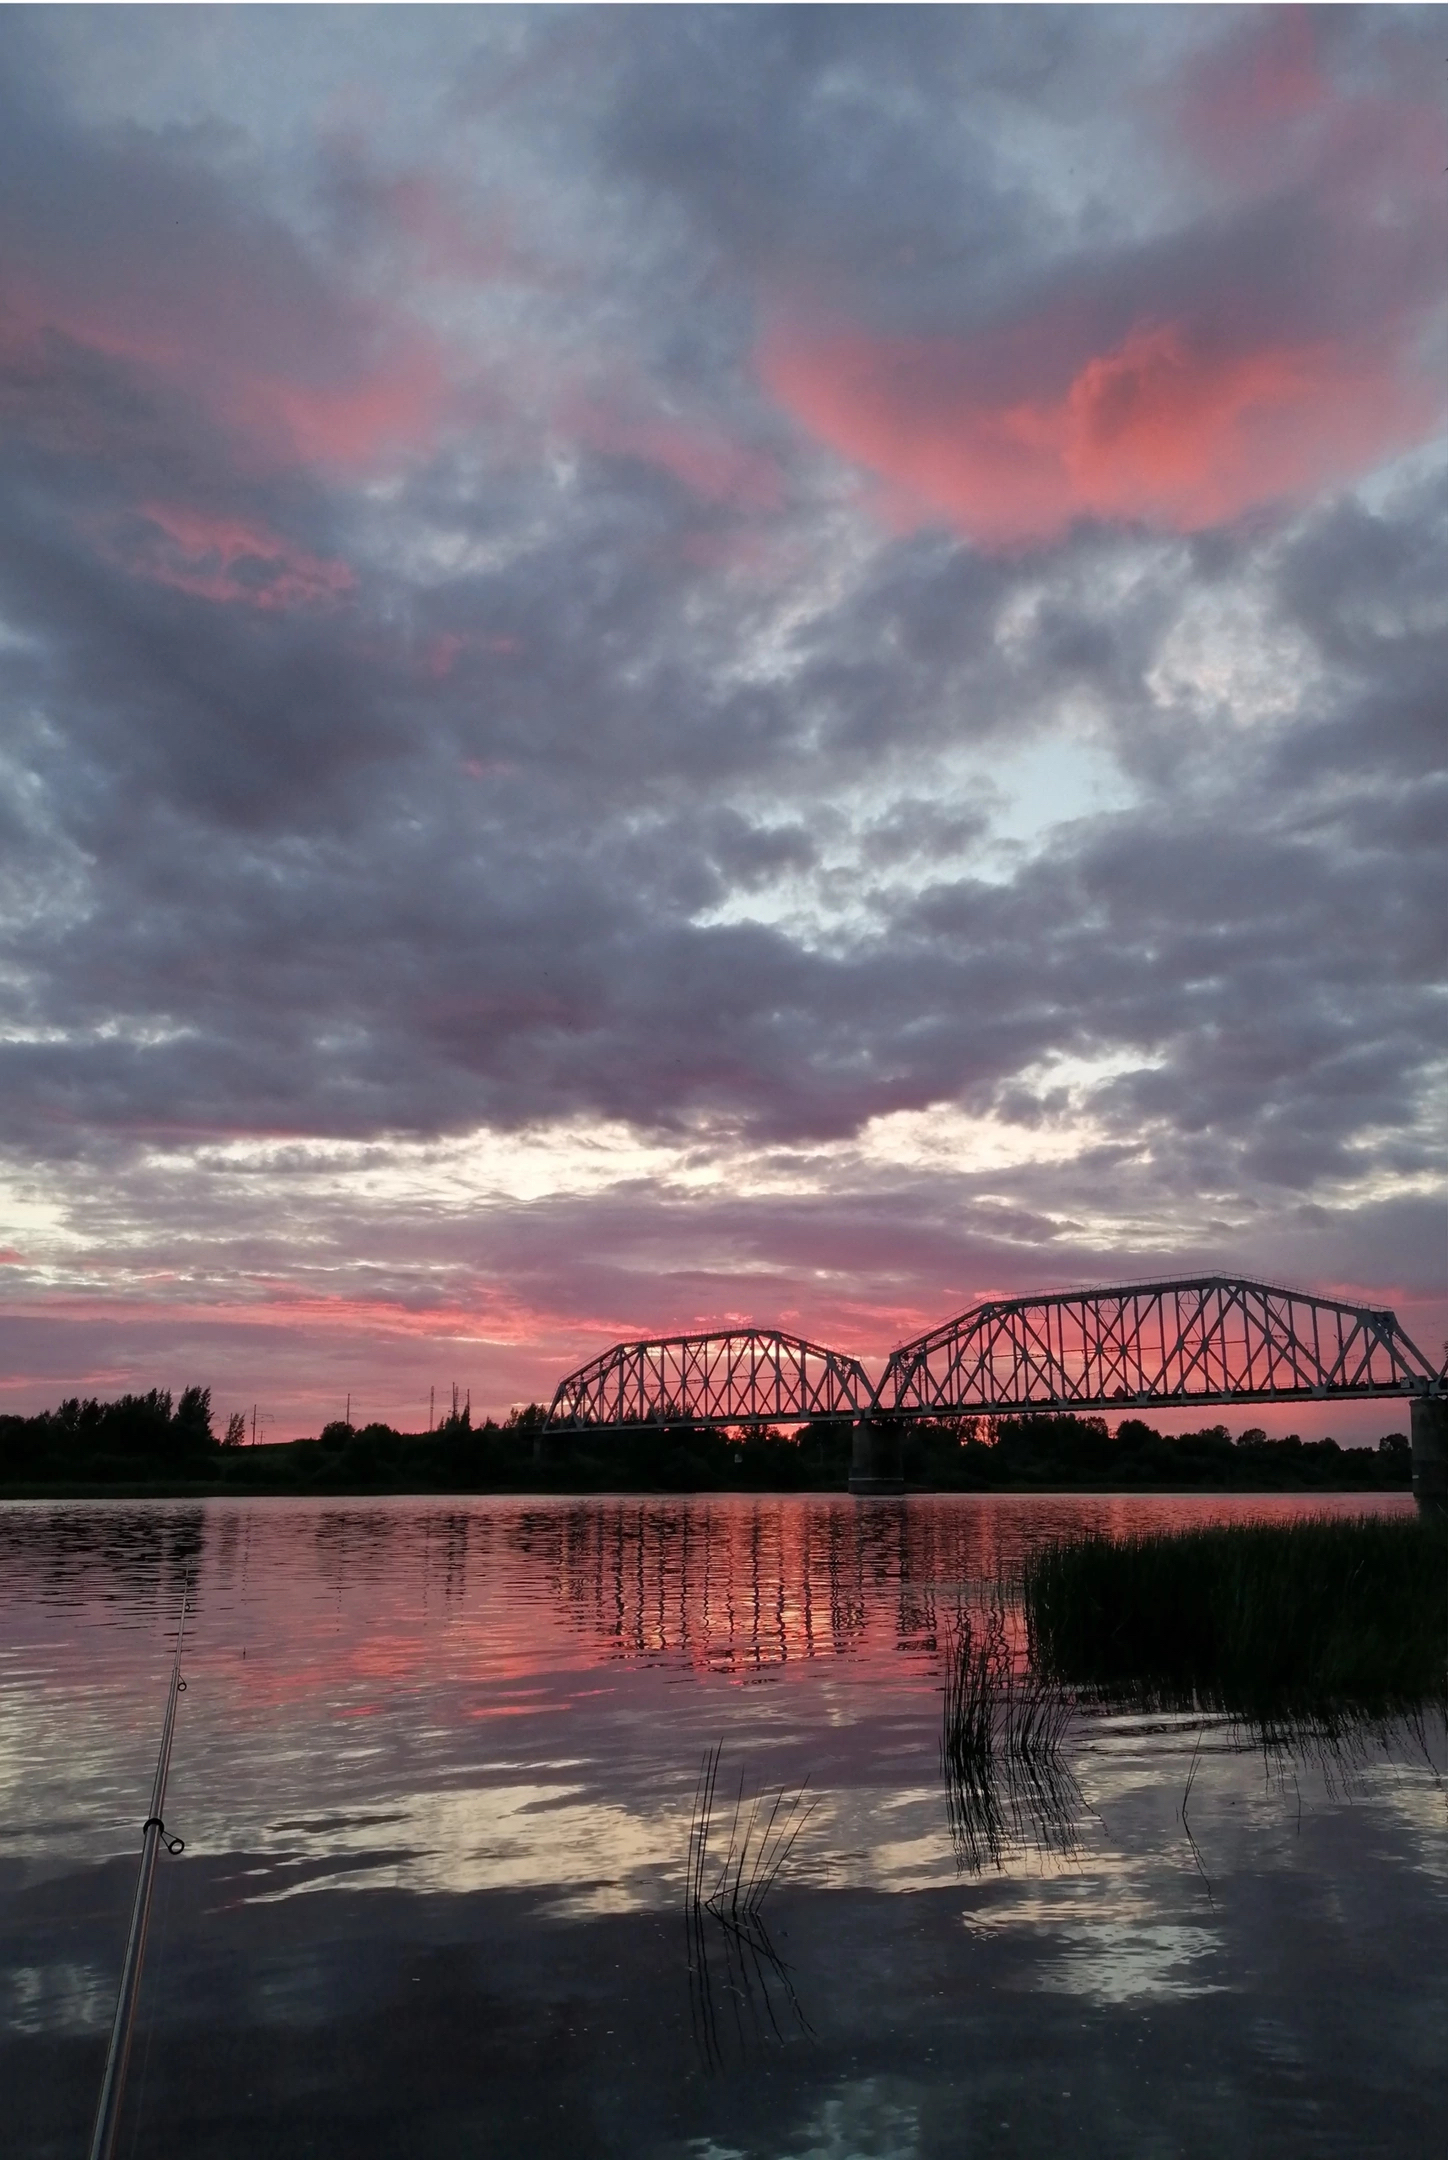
<point x="435" y="1768"/>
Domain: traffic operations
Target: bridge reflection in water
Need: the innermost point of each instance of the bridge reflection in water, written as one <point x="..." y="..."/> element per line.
<point x="737" y="1585"/>
<point x="744" y="1584"/>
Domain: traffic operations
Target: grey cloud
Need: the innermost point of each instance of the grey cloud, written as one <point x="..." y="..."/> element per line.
<point x="439" y="849"/>
<point x="850" y="160"/>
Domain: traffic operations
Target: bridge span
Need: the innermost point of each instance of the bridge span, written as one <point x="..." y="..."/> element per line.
<point x="1162" y="1345"/>
<point x="749" y="1377"/>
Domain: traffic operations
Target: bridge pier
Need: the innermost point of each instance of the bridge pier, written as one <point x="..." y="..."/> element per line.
<point x="1430" y="1453"/>
<point x="874" y="1460"/>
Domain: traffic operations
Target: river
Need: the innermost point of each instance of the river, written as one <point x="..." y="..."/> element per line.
<point x="435" y="1770"/>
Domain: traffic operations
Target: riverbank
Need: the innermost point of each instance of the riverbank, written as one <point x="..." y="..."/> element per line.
<point x="59" y="1457"/>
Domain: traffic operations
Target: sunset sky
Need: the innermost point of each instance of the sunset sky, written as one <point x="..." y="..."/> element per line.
<point x="677" y="667"/>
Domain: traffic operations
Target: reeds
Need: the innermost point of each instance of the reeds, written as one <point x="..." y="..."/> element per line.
<point x="1319" y="1618"/>
<point x="1006" y="1784"/>
<point x="752" y="1863"/>
<point x="757" y="1986"/>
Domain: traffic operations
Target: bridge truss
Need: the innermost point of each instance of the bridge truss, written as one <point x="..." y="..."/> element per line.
<point x="744" y="1377"/>
<point x="1205" y="1339"/>
<point x="1151" y="1346"/>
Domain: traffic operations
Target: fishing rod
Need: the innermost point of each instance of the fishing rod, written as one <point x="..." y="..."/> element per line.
<point x="153" y="1836"/>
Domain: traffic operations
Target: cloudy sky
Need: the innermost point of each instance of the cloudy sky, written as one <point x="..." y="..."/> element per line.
<point x="670" y="667"/>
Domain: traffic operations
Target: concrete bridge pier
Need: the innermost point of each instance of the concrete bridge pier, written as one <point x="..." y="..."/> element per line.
<point x="1430" y="1454"/>
<point x="874" y="1460"/>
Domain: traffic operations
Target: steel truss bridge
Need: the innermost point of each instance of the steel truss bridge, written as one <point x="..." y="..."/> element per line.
<point x="1150" y="1345"/>
<point x="746" y="1377"/>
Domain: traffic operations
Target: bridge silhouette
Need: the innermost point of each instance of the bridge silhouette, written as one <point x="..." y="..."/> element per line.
<point x="1162" y="1345"/>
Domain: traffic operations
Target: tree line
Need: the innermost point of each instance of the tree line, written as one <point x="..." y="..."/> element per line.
<point x="150" y="1439"/>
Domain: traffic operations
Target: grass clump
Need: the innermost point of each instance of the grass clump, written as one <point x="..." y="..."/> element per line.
<point x="753" y="1862"/>
<point x="1255" y="1618"/>
<point x="1000" y="1748"/>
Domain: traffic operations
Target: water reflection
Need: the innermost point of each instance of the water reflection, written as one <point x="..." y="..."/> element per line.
<point x="734" y="1589"/>
<point x="1340" y="1746"/>
<point x="436" y="1768"/>
<point x="131" y="1554"/>
<point x="1008" y="1786"/>
<point x="735" y="1585"/>
<point x="439" y="1667"/>
<point x="723" y="1583"/>
<point x="724" y="1899"/>
<point x="742" y="1994"/>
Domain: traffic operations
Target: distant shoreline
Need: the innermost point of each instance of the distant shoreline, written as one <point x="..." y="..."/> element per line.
<point x="144" y="1447"/>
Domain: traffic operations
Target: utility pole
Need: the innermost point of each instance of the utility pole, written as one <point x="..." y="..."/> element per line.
<point x="431" y="1409"/>
<point x="253" y="1424"/>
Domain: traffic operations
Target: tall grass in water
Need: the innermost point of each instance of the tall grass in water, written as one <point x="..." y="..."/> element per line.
<point x="757" y="1986"/>
<point x="753" y="1863"/>
<point x="1001" y="1734"/>
<point x="1264" y="1620"/>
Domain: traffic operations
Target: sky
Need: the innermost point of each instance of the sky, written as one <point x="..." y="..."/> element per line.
<point x="688" y="667"/>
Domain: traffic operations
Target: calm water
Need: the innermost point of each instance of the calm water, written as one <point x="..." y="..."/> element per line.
<point x="435" y="1768"/>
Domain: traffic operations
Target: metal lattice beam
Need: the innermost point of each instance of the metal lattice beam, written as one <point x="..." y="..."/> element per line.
<point x="1206" y="1339"/>
<point x="747" y="1376"/>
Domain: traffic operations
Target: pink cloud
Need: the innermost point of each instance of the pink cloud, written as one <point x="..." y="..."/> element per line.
<point x="442" y="655"/>
<point x="510" y="1346"/>
<point x="351" y="388"/>
<point x="231" y="560"/>
<point x="494" y="1315"/>
<point x="1177" y="420"/>
<point x="1245" y="92"/>
<point x="1170" y="425"/>
<point x="1262" y="112"/>
<point x="352" y="423"/>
